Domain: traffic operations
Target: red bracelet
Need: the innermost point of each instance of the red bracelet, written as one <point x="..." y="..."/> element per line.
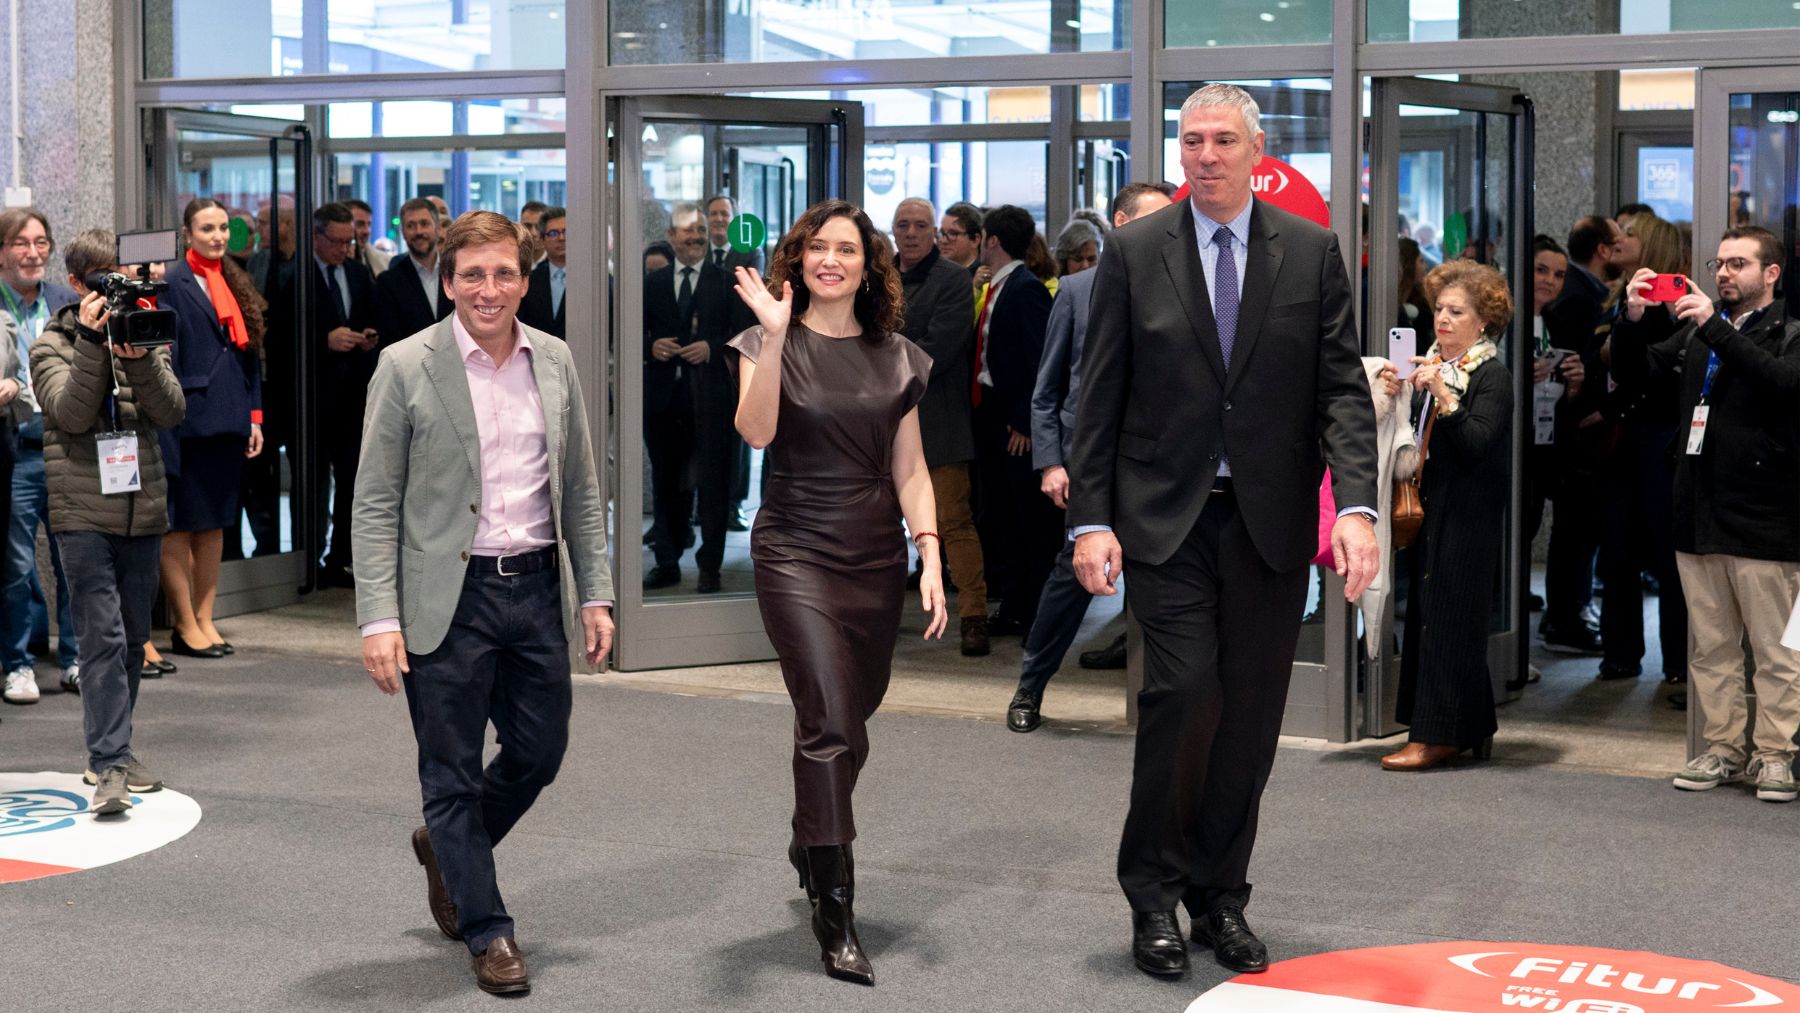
<point x="926" y="534"/>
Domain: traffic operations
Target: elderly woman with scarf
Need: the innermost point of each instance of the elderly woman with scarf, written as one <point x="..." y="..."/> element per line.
<point x="215" y="358"/>
<point x="1446" y="695"/>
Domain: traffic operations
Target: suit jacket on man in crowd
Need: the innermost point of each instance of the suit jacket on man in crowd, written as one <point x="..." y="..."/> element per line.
<point x="1158" y="408"/>
<point x="343" y="376"/>
<point x="1014" y="347"/>
<point x="536" y="310"/>
<point x="1740" y="496"/>
<point x="1058" y="390"/>
<point x="1572" y="316"/>
<point x="714" y="314"/>
<point x="402" y="308"/>
<point x="940" y="303"/>
<point x="419" y="482"/>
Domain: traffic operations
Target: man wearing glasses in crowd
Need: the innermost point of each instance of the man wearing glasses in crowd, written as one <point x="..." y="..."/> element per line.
<point x="959" y="236"/>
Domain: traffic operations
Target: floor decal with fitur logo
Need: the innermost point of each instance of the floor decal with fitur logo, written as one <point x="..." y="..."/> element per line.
<point x="1476" y="977"/>
<point x="46" y="829"/>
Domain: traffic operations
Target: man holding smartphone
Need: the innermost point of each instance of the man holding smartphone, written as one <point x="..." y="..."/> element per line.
<point x="101" y="400"/>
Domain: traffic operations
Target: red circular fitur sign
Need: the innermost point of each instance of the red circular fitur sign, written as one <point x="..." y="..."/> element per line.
<point x="1285" y="187"/>
<point x="1476" y="977"/>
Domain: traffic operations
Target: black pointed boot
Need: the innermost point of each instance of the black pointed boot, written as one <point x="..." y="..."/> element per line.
<point x="832" y="874"/>
<point x="797" y="858"/>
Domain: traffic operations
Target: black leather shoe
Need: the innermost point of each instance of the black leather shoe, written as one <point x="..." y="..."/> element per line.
<point x="180" y="646"/>
<point x="167" y="666"/>
<point x="737" y="521"/>
<point x="1610" y="672"/>
<point x="660" y="577"/>
<point x="1022" y="714"/>
<point x="999" y="625"/>
<point x="1580" y="640"/>
<point x="1234" y="946"/>
<point x="1156" y="944"/>
<point x="225" y="645"/>
<point x="149" y="671"/>
<point x="708" y="582"/>
<point x="1110" y="656"/>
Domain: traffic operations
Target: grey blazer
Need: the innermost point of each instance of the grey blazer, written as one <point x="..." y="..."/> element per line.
<point x="418" y="487"/>
<point x="1058" y="388"/>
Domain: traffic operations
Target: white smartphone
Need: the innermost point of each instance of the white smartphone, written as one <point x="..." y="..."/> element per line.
<point x="1403" y="344"/>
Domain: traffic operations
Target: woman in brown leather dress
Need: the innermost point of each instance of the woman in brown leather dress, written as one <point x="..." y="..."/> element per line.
<point x="831" y="388"/>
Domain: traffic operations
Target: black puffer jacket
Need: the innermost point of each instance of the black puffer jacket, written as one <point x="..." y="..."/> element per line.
<point x="73" y="382"/>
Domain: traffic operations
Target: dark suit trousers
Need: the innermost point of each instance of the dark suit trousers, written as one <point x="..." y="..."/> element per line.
<point x="340" y="445"/>
<point x="1640" y="536"/>
<point x="1061" y="608"/>
<point x="1220" y="630"/>
<point x="1021" y="530"/>
<point x="716" y="443"/>
<point x="669" y="438"/>
<point x="505" y="659"/>
<point x="1575" y="530"/>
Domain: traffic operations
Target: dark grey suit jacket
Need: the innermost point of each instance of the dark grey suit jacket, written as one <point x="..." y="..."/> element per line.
<point x="1158" y="407"/>
<point x="1059" y="375"/>
<point x="940" y="318"/>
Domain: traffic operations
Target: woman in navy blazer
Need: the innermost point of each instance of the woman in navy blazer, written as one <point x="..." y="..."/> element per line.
<point x="215" y="357"/>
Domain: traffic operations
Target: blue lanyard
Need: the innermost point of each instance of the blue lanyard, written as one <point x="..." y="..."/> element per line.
<point x="1712" y="371"/>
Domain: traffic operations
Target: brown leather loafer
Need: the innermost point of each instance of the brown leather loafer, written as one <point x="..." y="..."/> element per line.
<point x="443" y="910"/>
<point x="975" y="637"/>
<point x="500" y="970"/>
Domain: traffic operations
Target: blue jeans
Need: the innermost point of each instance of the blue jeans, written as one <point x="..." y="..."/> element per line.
<point x="18" y="579"/>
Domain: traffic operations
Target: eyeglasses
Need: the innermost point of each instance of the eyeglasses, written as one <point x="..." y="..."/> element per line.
<point x="40" y="244"/>
<point x="1735" y="264"/>
<point x="952" y="234"/>
<point x="555" y="233"/>
<point x="506" y="279"/>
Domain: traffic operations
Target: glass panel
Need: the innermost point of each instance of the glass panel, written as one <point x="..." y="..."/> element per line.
<point x="467" y="180"/>
<point x="236" y="171"/>
<point x="762" y="31"/>
<point x="984" y="173"/>
<point x="1641" y="90"/>
<point x="1245" y="22"/>
<point x="1438" y="20"/>
<point x="436" y="118"/>
<point x="269" y="38"/>
<point x="1765" y="174"/>
<point x="704" y="483"/>
<point x="1665" y="177"/>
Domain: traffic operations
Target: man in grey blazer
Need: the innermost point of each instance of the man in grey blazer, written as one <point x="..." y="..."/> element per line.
<point x="478" y="524"/>
<point x="1053" y="401"/>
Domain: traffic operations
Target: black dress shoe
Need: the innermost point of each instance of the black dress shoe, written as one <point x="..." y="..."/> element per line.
<point x="1234" y="946"/>
<point x="225" y="645"/>
<point x="999" y="625"/>
<point x="150" y="671"/>
<point x="1156" y="944"/>
<point x="167" y="666"/>
<point x="1110" y="656"/>
<point x="180" y="646"/>
<point x="737" y="521"/>
<point x="1580" y="640"/>
<point x="1610" y="672"/>
<point x="1022" y="714"/>
<point x="708" y="582"/>
<point x="667" y="575"/>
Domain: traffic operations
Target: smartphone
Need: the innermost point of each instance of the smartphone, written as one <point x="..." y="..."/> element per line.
<point x="1403" y="344"/>
<point x="1667" y="288"/>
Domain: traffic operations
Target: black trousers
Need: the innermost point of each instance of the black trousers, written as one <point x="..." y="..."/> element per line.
<point x="1575" y="531"/>
<point x="505" y="660"/>
<point x="1639" y="536"/>
<point x="1061" y="608"/>
<point x="669" y="439"/>
<point x="714" y="479"/>
<point x="1021" y="529"/>
<point x="340" y="445"/>
<point x="1220" y="628"/>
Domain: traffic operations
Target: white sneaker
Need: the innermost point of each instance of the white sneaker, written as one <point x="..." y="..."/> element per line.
<point x="21" y="685"/>
<point x="1774" y="779"/>
<point x="71" y="679"/>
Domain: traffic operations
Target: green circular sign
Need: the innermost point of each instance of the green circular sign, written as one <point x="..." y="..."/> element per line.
<point x="746" y="233"/>
<point x="240" y="236"/>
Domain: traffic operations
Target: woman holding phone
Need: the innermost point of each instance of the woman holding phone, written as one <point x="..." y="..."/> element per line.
<point x="220" y="330"/>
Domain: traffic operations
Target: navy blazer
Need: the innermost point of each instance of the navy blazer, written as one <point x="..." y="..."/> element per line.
<point x="1015" y="344"/>
<point x="1058" y="388"/>
<point x="222" y="384"/>
<point x="402" y="309"/>
<point x="535" y="309"/>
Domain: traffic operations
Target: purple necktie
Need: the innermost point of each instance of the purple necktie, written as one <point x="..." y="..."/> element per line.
<point x="1225" y="295"/>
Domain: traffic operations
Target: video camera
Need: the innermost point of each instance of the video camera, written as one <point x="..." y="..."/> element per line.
<point x="129" y="323"/>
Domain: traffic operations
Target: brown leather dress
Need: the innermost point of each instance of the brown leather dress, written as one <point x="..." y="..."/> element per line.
<point x="830" y="553"/>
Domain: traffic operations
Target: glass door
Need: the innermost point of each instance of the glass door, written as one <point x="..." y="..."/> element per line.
<point x="1456" y="159"/>
<point x="262" y="171"/>
<point x="684" y="580"/>
<point x="1746" y="172"/>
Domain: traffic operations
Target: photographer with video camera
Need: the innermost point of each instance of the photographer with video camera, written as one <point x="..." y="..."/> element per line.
<point x="100" y="398"/>
<point x="220" y="332"/>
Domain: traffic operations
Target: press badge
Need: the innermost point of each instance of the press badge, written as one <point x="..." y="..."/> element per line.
<point x="1697" y="428"/>
<point x="118" y="454"/>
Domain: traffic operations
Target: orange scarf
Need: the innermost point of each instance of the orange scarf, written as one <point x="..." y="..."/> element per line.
<point x="231" y="316"/>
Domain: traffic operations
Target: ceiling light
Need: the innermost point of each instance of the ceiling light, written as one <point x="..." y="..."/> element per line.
<point x="1266" y="16"/>
<point x="1072" y="23"/>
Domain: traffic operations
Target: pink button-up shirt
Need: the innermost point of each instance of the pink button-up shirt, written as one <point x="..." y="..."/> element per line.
<point x="515" y="455"/>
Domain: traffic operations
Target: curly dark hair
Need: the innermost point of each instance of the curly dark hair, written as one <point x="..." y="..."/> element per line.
<point x="1485" y="287"/>
<point x="880" y="301"/>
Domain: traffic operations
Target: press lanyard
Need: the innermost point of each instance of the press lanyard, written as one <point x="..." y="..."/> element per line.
<point x="1712" y="370"/>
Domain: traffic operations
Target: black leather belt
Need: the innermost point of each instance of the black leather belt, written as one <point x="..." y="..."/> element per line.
<point x="516" y="565"/>
<point x="27" y="443"/>
<point x="1222" y="484"/>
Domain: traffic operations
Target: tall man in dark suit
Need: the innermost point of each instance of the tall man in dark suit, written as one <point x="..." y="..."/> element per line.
<point x="720" y="210"/>
<point x="1021" y="530"/>
<point x="1064" y="602"/>
<point x="408" y="296"/>
<point x="690" y="312"/>
<point x="544" y="307"/>
<point x="1209" y="409"/>
<point x="343" y="321"/>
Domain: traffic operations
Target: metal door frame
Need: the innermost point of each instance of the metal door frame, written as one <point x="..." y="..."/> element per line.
<point x="1508" y="650"/>
<point x="261" y="582"/>
<point x="658" y="634"/>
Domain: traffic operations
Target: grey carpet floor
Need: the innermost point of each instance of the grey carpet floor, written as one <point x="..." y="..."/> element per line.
<point x="651" y="876"/>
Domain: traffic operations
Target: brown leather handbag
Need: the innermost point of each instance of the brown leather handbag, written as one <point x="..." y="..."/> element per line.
<point x="1407" y="512"/>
